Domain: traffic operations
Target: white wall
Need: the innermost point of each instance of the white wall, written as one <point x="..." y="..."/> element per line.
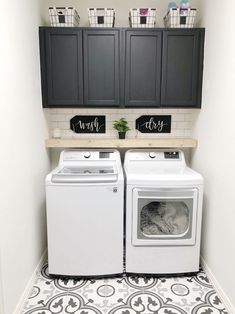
<point x="215" y="130"/>
<point x="121" y="8"/>
<point x="24" y="159"/>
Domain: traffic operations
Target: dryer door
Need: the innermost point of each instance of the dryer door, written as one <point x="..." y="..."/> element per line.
<point x="164" y="217"/>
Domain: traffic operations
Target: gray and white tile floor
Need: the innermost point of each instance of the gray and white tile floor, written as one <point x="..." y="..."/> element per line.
<point x="125" y="295"/>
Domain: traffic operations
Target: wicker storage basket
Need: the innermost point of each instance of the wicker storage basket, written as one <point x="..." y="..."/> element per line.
<point x="180" y="18"/>
<point x="101" y="17"/>
<point x="63" y="17"/>
<point x="142" y="18"/>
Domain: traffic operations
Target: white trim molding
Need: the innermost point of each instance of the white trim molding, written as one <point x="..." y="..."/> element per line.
<point x="224" y="298"/>
<point x="29" y="286"/>
<point x="1" y="289"/>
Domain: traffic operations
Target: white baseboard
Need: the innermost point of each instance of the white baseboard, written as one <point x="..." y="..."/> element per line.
<point x="1" y="290"/>
<point x="29" y="286"/>
<point x="224" y="298"/>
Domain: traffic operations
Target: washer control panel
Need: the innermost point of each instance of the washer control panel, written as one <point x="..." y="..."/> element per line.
<point x="76" y="155"/>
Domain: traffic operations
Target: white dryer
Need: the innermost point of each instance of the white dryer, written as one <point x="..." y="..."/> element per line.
<point x="85" y="214"/>
<point x="163" y="213"/>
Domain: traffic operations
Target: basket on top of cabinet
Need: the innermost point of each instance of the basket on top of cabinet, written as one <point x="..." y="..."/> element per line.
<point x="180" y="18"/>
<point x="101" y="17"/>
<point x="142" y="17"/>
<point x="64" y="17"/>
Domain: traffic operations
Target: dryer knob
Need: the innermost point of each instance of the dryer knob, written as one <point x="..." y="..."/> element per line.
<point x="87" y="155"/>
<point x="152" y="155"/>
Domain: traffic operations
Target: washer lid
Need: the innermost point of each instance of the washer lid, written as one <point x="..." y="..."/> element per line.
<point x="85" y="173"/>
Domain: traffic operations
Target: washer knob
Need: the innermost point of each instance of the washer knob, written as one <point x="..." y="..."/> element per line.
<point x="152" y="155"/>
<point x="87" y="155"/>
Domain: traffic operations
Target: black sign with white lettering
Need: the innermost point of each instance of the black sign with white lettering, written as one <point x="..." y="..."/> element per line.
<point x="153" y="124"/>
<point x="88" y="124"/>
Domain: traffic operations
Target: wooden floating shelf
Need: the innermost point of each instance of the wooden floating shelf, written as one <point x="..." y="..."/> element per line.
<point x="127" y="143"/>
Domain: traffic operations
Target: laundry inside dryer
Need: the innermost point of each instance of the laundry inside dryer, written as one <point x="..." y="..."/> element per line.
<point x="163" y="217"/>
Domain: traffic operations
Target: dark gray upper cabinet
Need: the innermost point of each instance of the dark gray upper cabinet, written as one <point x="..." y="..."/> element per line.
<point x="62" y="69"/>
<point x="121" y="67"/>
<point x="101" y="67"/>
<point x="182" y="67"/>
<point x="143" y="51"/>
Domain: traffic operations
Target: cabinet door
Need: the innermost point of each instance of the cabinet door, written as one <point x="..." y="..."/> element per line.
<point x="182" y="68"/>
<point x="143" y="68"/>
<point x="101" y="67"/>
<point x="62" y="70"/>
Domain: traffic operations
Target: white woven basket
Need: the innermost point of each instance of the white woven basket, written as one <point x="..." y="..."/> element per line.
<point x="180" y="18"/>
<point x="142" y="17"/>
<point x="101" y="17"/>
<point x="63" y="17"/>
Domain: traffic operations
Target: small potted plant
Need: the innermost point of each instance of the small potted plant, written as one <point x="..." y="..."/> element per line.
<point x="121" y="126"/>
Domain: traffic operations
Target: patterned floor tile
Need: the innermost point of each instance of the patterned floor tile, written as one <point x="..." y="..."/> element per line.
<point x="55" y="304"/>
<point x="44" y="289"/>
<point x="130" y="305"/>
<point x="140" y="282"/>
<point x="95" y="292"/>
<point x="124" y="295"/>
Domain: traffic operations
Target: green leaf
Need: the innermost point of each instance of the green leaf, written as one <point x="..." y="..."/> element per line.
<point x="121" y="125"/>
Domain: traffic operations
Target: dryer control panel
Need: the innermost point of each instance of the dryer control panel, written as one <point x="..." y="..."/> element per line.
<point x="156" y="155"/>
<point x="165" y="161"/>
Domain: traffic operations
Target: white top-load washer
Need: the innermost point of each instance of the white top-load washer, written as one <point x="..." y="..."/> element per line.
<point x="85" y="214"/>
<point x="163" y="213"/>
